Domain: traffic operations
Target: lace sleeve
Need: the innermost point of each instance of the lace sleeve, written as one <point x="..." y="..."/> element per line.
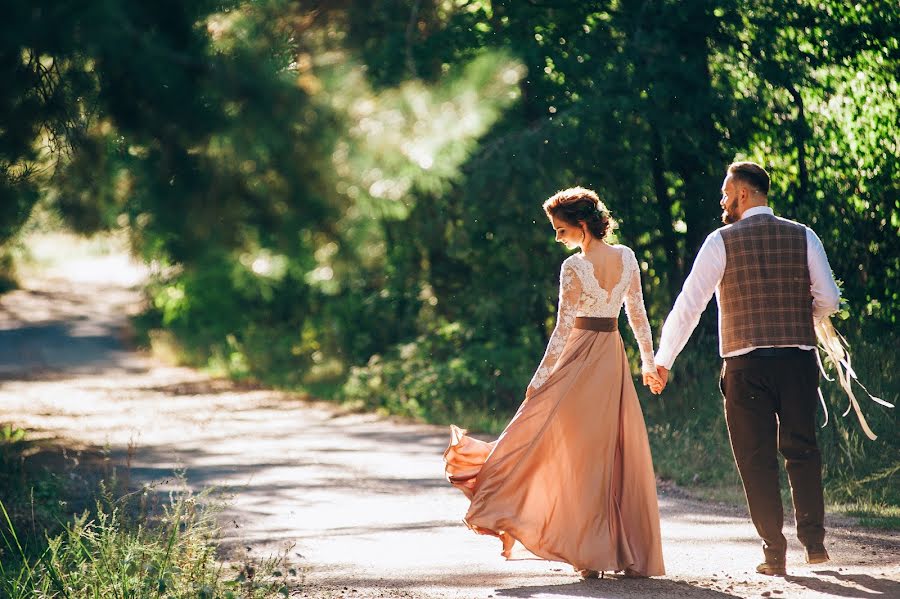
<point x="569" y="296"/>
<point x="637" y="317"/>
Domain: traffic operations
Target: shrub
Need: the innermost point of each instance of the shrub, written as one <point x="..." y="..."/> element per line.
<point x="449" y="375"/>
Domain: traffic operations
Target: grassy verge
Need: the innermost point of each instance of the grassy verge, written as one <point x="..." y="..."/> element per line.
<point x="66" y="533"/>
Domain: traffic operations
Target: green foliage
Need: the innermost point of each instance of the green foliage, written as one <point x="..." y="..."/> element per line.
<point x="12" y="440"/>
<point x="856" y="469"/>
<point x="450" y="374"/>
<point x="226" y="313"/>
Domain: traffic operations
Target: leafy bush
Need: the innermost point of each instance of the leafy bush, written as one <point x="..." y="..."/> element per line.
<point x="449" y="375"/>
<point x="226" y="316"/>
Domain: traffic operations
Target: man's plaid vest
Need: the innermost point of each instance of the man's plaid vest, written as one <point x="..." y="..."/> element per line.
<point x="764" y="295"/>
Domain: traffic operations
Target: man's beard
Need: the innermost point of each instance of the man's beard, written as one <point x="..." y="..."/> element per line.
<point x="728" y="215"/>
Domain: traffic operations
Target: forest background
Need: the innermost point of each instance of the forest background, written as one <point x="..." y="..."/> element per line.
<point x="345" y="197"/>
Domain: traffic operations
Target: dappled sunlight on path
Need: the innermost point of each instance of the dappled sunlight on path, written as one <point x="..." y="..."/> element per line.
<point x="357" y="500"/>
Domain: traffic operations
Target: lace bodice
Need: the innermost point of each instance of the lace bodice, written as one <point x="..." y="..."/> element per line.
<point x="580" y="294"/>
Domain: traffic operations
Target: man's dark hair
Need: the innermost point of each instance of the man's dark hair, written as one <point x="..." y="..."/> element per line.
<point x="751" y="174"/>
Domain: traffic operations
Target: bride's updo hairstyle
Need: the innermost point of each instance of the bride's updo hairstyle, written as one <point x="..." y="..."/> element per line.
<point x="578" y="204"/>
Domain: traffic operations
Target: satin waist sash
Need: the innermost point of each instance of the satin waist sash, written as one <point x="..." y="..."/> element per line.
<point x="591" y="323"/>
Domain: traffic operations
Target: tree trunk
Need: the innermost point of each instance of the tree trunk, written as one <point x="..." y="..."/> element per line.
<point x="801" y="131"/>
<point x="664" y="209"/>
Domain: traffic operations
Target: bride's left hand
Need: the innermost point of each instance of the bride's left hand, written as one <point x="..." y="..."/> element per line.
<point x="652" y="380"/>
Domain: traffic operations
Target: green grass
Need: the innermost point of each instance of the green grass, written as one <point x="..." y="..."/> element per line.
<point x="111" y="552"/>
<point x="64" y="533"/>
<point x="872" y="515"/>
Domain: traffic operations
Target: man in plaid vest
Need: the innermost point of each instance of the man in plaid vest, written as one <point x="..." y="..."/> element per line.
<point x="772" y="282"/>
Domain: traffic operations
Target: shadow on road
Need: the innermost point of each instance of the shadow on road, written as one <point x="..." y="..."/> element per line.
<point x="612" y="587"/>
<point x="863" y="585"/>
<point x="618" y="588"/>
<point x="54" y="350"/>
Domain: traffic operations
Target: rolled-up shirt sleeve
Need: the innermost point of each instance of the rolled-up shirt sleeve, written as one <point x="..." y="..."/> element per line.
<point x="825" y="292"/>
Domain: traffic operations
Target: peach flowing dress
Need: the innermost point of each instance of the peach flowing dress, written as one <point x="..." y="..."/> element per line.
<point x="571" y="477"/>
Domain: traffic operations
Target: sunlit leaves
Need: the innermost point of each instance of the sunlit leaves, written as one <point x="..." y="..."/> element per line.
<point x="413" y="138"/>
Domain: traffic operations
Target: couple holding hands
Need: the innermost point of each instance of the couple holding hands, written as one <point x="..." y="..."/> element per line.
<point x="571" y="477"/>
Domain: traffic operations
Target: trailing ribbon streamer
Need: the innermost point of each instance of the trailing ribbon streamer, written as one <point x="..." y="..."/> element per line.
<point x="837" y="350"/>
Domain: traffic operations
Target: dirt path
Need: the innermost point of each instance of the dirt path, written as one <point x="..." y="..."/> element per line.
<point x="359" y="500"/>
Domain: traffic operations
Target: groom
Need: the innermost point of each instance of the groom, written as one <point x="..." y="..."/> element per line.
<point x="772" y="282"/>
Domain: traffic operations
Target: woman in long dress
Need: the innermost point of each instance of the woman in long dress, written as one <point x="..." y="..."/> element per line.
<point x="571" y="477"/>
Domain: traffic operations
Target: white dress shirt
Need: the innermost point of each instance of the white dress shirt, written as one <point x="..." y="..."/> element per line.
<point x="706" y="274"/>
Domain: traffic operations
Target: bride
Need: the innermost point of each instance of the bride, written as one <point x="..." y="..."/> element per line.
<point x="571" y="477"/>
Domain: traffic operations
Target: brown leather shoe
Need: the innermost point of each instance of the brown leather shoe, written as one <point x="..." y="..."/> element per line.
<point x="586" y="573"/>
<point x="816" y="554"/>
<point x="772" y="568"/>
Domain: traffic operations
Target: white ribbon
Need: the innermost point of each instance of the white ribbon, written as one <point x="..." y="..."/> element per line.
<point x="837" y="350"/>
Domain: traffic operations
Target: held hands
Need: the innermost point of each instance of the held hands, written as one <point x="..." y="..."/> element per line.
<point x="652" y="380"/>
<point x="656" y="381"/>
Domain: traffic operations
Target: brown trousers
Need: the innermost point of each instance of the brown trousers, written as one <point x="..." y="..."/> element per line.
<point x="770" y="406"/>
